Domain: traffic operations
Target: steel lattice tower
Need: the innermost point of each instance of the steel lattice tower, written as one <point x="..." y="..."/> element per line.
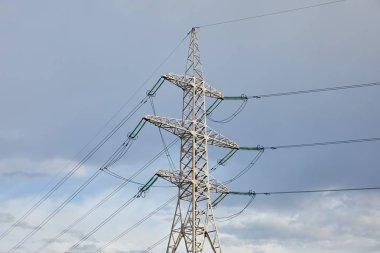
<point x="194" y="221"/>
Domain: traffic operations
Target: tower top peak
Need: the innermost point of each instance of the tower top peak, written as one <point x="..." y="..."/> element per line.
<point x="194" y="65"/>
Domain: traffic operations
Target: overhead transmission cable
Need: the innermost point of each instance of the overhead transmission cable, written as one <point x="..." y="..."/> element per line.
<point x="317" y="191"/>
<point x="136" y="92"/>
<point x="232" y="116"/>
<point x="256" y="158"/>
<point x="110" y="195"/>
<point x="139" y="194"/>
<point x="120" y="177"/>
<point x="269" y="14"/>
<point x="323" y="143"/>
<point x="125" y="232"/>
<point x="252" y="195"/>
<point x="51" y="215"/>
<point x="71" y="172"/>
<point x="170" y="160"/>
<point x="354" y="86"/>
<point x="220" y="162"/>
<point x="99" y="145"/>
<point x="126" y="180"/>
<point x="232" y="216"/>
<point x="163" y="239"/>
<point x="245" y="98"/>
<point x="105" y="221"/>
<point x="116" y="156"/>
<point x="246" y="169"/>
<point x="259" y="147"/>
<point x="116" y="212"/>
<point x="260" y="150"/>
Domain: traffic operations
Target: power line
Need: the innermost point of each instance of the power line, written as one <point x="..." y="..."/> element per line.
<point x="232" y="116"/>
<point x="125" y="232"/>
<point x="261" y="151"/>
<point x="128" y="202"/>
<point x="163" y="239"/>
<point x="105" y="221"/>
<point x="246" y="169"/>
<point x="116" y="212"/>
<point x="269" y="14"/>
<point x="221" y="162"/>
<point x="98" y="146"/>
<point x="252" y="194"/>
<point x="51" y="215"/>
<point x="110" y="195"/>
<point x="363" y="85"/>
<point x="170" y="160"/>
<point x="244" y="98"/>
<point x="318" y="191"/>
<point x="323" y="143"/>
<point x="115" y="175"/>
<point x="73" y="170"/>
<point x="112" y="160"/>
<point x="232" y="216"/>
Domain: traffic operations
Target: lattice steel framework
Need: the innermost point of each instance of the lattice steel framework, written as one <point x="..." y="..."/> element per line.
<point x="194" y="221"/>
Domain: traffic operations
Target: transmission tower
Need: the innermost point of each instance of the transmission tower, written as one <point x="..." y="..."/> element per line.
<point x="194" y="221"/>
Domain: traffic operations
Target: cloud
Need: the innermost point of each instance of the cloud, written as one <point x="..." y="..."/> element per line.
<point x="6" y="217"/>
<point x="320" y="224"/>
<point x="328" y="223"/>
<point x="22" y="168"/>
<point x="86" y="248"/>
<point x="66" y="69"/>
<point x="23" y="174"/>
<point x="25" y="225"/>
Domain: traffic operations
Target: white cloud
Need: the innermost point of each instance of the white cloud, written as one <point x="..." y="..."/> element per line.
<point x="26" y="168"/>
<point x="333" y="223"/>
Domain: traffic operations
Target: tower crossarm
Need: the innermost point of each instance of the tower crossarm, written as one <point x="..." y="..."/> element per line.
<point x="181" y="129"/>
<point x="173" y="177"/>
<point x="217" y="139"/>
<point x="179" y="180"/>
<point x="218" y="187"/>
<point x="174" y="126"/>
<point x="186" y="83"/>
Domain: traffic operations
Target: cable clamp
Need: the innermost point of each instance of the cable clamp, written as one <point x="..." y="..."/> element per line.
<point x="250" y="192"/>
<point x="141" y="193"/>
<point x="219" y="162"/>
<point x="259" y="147"/>
<point x="144" y="100"/>
<point x="130" y="137"/>
<point x="150" y="94"/>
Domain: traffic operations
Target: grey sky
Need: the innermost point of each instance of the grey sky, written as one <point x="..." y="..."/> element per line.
<point x="67" y="66"/>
